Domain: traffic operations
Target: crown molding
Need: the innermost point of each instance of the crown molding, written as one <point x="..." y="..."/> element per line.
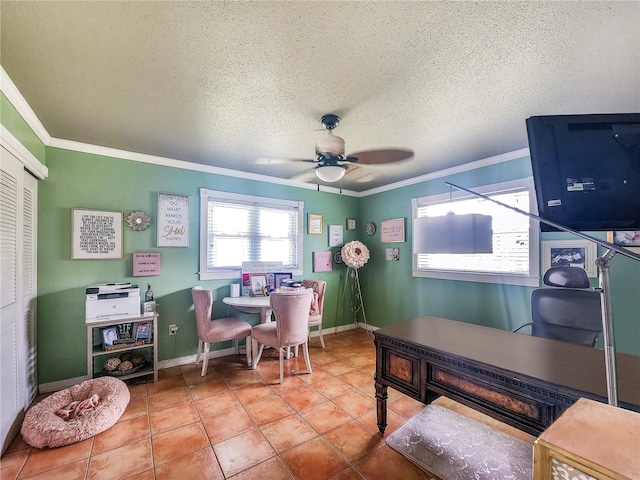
<point x="17" y="149"/>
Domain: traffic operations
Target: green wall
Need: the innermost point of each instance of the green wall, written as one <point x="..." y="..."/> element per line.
<point x="89" y="181"/>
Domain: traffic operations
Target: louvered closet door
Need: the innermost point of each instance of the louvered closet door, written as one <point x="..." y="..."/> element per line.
<point x="18" y="200"/>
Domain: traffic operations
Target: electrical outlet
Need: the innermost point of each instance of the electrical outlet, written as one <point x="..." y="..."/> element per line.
<point x="173" y="329"/>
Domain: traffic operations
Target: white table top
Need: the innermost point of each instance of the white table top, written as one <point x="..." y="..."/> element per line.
<point x="256" y="302"/>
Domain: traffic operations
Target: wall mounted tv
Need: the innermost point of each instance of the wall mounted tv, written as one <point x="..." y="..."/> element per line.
<point x="586" y="170"/>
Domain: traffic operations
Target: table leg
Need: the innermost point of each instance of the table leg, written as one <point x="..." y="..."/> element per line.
<point x="381" y="406"/>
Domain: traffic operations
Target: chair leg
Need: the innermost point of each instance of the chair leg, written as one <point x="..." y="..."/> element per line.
<point x="321" y="337"/>
<point x="305" y="351"/>
<point x="205" y="362"/>
<point x="257" y="352"/>
<point x="295" y="351"/>
<point x="281" y="350"/>
<point x="198" y="352"/>
<point x="248" y="346"/>
<point x="236" y="344"/>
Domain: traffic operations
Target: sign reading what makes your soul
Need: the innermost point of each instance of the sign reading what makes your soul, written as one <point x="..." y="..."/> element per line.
<point x="173" y="220"/>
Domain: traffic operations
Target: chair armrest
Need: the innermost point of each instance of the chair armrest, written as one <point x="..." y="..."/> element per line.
<point x="522" y="326"/>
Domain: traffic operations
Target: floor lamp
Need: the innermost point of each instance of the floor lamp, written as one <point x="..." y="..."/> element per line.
<point x="603" y="263"/>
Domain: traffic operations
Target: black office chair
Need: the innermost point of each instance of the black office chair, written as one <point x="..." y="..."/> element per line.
<point x="568" y="313"/>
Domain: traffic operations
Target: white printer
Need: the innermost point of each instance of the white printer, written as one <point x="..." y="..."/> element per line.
<point x="112" y="301"/>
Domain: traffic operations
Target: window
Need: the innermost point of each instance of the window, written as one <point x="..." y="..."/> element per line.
<point x="238" y="228"/>
<point x="515" y="254"/>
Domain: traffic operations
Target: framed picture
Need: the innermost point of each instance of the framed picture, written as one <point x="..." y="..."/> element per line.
<point x="278" y="277"/>
<point x="148" y="308"/>
<point x="573" y="253"/>
<point x="173" y="220"/>
<point x="143" y="331"/>
<point x="125" y="332"/>
<point x="625" y="238"/>
<point x="392" y="254"/>
<point x="322" y="261"/>
<point x="146" y="264"/>
<point x="336" y="235"/>
<point x="351" y="224"/>
<point x="258" y="285"/>
<point x="314" y="224"/>
<point x="392" y="231"/>
<point x="109" y="336"/>
<point x="96" y="234"/>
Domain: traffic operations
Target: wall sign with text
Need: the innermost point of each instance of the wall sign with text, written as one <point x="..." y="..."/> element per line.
<point x="96" y="234"/>
<point x="173" y="220"/>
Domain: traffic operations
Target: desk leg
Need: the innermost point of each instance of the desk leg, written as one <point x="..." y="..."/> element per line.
<point x="381" y="406"/>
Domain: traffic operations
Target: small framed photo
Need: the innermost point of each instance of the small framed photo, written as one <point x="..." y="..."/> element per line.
<point x="571" y="253"/>
<point x="314" y="224"/>
<point x="279" y="277"/>
<point x="625" y="238"/>
<point x="392" y="254"/>
<point x="149" y="308"/>
<point x="109" y="336"/>
<point x="351" y="224"/>
<point x="258" y="285"/>
<point x="143" y="331"/>
<point x="392" y="231"/>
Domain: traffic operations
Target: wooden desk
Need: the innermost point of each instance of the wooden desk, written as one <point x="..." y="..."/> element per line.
<point x="521" y="380"/>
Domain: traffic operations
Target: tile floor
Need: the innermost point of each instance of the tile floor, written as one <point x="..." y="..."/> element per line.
<point x="242" y="424"/>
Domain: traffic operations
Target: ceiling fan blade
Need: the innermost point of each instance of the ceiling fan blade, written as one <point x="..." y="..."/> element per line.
<point x="380" y="157"/>
<point x="281" y="161"/>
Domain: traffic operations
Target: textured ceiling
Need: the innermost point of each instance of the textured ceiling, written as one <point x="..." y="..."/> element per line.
<point x="243" y="85"/>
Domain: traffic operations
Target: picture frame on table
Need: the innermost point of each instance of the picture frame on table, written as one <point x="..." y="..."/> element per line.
<point x="278" y="277"/>
<point x="258" y="285"/>
<point x="315" y="224"/>
<point x="625" y="238"/>
<point x="109" y="336"/>
<point x="573" y="253"/>
<point x="143" y="331"/>
<point x="96" y="234"/>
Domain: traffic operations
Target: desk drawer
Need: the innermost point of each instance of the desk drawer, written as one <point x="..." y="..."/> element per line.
<point x="490" y="393"/>
<point x="402" y="371"/>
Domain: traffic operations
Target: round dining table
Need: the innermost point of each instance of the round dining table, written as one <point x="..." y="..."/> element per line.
<point x="247" y="304"/>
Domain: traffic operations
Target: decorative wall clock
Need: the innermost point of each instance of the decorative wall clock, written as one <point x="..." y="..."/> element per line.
<point x="138" y="221"/>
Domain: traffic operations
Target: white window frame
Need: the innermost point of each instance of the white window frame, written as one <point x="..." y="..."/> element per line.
<point x="207" y="195"/>
<point x="531" y="280"/>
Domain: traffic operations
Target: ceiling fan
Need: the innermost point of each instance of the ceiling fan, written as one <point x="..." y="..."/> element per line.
<point x="332" y="163"/>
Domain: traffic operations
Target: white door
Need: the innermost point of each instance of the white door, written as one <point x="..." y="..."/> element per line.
<point x="18" y="201"/>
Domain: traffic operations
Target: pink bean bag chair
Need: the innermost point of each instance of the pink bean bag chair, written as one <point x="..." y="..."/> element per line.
<point x="89" y="408"/>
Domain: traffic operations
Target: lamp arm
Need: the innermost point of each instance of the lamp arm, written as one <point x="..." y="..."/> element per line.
<point x="603" y="264"/>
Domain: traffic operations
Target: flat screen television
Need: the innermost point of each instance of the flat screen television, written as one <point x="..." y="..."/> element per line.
<point x="586" y="170"/>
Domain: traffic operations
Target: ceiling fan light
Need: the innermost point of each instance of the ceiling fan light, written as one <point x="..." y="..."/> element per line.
<point x="330" y="173"/>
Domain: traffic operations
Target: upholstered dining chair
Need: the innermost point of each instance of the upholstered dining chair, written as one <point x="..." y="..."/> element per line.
<point x="315" y="315"/>
<point x="216" y="330"/>
<point x="290" y="329"/>
<point x="570" y="313"/>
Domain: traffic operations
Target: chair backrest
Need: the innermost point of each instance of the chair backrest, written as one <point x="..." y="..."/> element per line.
<point x="291" y="310"/>
<point x="202" y="304"/>
<point x="319" y="287"/>
<point x="566" y="313"/>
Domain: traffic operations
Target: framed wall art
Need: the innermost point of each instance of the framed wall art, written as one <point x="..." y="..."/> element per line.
<point x="322" y="261"/>
<point x="336" y="235"/>
<point x="573" y="253"/>
<point x="625" y="238"/>
<point x="351" y="224"/>
<point x="314" y="224"/>
<point x="173" y="220"/>
<point x="392" y="231"/>
<point x="96" y="234"/>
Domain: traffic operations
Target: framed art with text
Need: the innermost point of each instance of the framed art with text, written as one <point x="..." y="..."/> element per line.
<point x="173" y="220"/>
<point x="96" y="234"/>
